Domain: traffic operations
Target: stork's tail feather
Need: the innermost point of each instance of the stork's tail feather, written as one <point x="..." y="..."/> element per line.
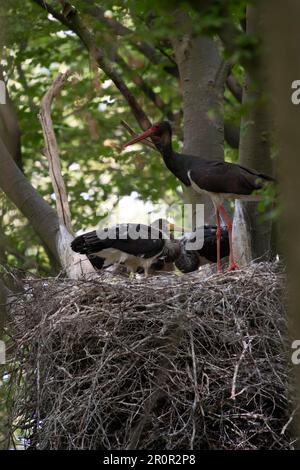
<point x="86" y="243"/>
<point x="78" y="244"/>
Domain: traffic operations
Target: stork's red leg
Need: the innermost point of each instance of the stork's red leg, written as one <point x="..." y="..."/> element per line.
<point x="218" y="240"/>
<point x="232" y="264"/>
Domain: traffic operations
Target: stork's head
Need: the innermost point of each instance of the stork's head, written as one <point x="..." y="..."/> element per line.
<point x="160" y="132"/>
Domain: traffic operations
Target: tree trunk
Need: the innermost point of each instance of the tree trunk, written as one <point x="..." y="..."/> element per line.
<point x="9" y="128"/>
<point x="18" y="189"/>
<point x="281" y="27"/>
<point x="202" y="87"/>
<point x="255" y="145"/>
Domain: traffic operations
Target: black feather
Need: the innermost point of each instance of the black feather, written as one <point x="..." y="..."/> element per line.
<point x="189" y="259"/>
<point x="121" y="237"/>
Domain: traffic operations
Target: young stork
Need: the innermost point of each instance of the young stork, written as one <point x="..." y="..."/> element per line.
<point x="220" y="180"/>
<point x="191" y="259"/>
<point x="134" y="245"/>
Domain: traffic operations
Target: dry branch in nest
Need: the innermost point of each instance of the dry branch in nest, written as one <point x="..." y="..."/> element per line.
<point x="170" y="362"/>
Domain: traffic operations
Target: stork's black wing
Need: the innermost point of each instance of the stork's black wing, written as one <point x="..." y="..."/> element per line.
<point x="135" y="239"/>
<point x="223" y="177"/>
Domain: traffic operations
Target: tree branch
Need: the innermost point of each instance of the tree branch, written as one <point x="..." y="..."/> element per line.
<point x="132" y="132"/>
<point x="143" y="47"/>
<point x="232" y="134"/>
<point x="222" y="74"/>
<point x="139" y="81"/>
<point x="75" y="264"/>
<point x="230" y="35"/>
<point x="98" y="55"/>
<point x="235" y="88"/>
<point x="7" y="246"/>
<point x="52" y="152"/>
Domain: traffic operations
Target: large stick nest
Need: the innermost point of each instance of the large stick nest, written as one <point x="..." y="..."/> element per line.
<point x="168" y="362"/>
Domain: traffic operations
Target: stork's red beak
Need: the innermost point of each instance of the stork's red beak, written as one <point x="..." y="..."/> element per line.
<point x="142" y="136"/>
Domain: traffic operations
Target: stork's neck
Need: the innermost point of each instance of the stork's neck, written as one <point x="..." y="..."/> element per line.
<point x="167" y="151"/>
<point x="166" y="147"/>
<point x="173" y="160"/>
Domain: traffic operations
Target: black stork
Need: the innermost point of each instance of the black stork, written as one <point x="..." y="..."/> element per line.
<point x="134" y="245"/>
<point x="191" y="259"/>
<point x="220" y="180"/>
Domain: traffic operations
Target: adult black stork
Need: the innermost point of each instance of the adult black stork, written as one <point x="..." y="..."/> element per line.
<point x="220" y="180"/>
<point x="191" y="259"/>
<point x="134" y="245"/>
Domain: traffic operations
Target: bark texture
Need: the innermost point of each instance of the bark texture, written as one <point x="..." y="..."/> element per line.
<point x="255" y="144"/>
<point x="202" y="86"/>
<point x="52" y="153"/>
<point x="9" y="127"/>
<point x="281" y="28"/>
<point x="18" y="189"/>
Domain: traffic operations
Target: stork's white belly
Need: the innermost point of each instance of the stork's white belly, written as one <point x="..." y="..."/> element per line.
<point x="219" y="198"/>
<point x="115" y="256"/>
